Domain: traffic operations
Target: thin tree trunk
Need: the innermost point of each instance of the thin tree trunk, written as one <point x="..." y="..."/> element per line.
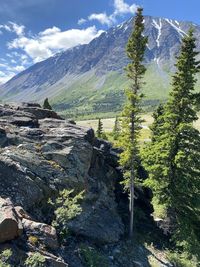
<point x="132" y="178"/>
<point x="131" y="201"/>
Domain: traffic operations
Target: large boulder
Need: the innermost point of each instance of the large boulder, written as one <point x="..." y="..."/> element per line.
<point x="10" y="225"/>
<point x="44" y="233"/>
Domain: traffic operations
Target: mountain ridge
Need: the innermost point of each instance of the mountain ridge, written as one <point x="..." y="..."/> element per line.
<point x="87" y="69"/>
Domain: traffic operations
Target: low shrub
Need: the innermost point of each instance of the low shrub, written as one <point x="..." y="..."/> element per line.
<point x="4" y="258"/>
<point x="35" y="260"/>
<point x="93" y="258"/>
<point x="182" y="260"/>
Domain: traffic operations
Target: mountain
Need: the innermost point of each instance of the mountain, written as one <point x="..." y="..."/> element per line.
<point x="89" y="78"/>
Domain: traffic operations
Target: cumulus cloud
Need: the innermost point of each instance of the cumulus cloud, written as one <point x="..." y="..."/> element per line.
<point x="81" y="21"/>
<point x="13" y="27"/>
<point x="120" y="9"/>
<point x="18" y="68"/>
<point x="18" y="29"/>
<point x="123" y="8"/>
<point x="26" y="49"/>
<point x="50" y="31"/>
<point x="52" y="40"/>
<point x="103" y="18"/>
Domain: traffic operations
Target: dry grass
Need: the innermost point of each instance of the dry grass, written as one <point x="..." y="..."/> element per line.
<point x="108" y="124"/>
<point x="145" y="135"/>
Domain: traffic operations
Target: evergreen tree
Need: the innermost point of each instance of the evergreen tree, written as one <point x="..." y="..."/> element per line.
<point x="173" y="159"/>
<point x="131" y="120"/>
<point x="116" y="129"/>
<point x="99" y="131"/>
<point x="46" y="104"/>
<point x="157" y="125"/>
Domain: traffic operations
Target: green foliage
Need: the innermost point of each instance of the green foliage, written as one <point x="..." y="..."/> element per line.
<point x="99" y="131"/>
<point x="173" y="158"/>
<point x="104" y="136"/>
<point x="67" y="208"/>
<point x="159" y="209"/>
<point x="92" y="257"/>
<point x="83" y="99"/>
<point x="46" y="104"/>
<point x="131" y="120"/>
<point x="157" y="125"/>
<point x="35" y="260"/>
<point x="181" y="260"/>
<point x="4" y="258"/>
<point x="116" y="129"/>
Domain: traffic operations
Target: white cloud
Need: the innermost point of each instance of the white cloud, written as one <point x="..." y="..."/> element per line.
<point x="103" y="18"/>
<point x="81" y="21"/>
<point x="8" y="68"/>
<point x="18" y="68"/>
<point x="52" y="40"/>
<point x="123" y="8"/>
<point x="120" y="9"/>
<point x="50" y="31"/>
<point x="18" y="29"/>
<point x="26" y="49"/>
<point x="5" y="27"/>
<point x="13" y="27"/>
<point x="3" y="65"/>
<point x="24" y="59"/>
<point x="6" y="76"/>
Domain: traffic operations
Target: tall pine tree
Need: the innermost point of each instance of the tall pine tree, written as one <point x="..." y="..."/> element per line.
<point x="131" y="120"/>
<point x="173" y="158"/>
<point x="99" y="131"/>
<point x="116" y="129"/>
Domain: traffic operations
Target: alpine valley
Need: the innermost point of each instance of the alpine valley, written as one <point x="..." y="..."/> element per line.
<point x="90" y="78"/>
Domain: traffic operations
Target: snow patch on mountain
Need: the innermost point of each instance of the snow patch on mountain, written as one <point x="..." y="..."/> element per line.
<point x="158" y="26"/>
<point x="178" y="29"/>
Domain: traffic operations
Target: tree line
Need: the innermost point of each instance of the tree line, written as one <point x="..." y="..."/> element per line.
<point x="172" y="158"/>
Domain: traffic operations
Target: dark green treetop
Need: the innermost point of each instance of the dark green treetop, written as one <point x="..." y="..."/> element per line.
<point x="99" y="131"/>
<point x="46" y="104"/>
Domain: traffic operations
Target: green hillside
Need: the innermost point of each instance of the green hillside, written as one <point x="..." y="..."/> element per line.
<point x="92" y="96"/>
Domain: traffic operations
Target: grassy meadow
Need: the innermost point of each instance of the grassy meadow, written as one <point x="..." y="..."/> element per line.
<point x="108" y="124"/>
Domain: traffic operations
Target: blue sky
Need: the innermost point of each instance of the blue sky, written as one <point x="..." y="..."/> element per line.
<point x="33" y="30"/>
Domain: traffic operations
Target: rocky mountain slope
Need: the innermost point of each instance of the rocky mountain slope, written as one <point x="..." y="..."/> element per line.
<point x="42" y="154"/>
<point x="89" y="78"/>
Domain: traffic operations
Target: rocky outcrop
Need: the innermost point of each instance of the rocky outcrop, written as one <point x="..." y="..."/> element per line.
<point x="41" y="154"/>
<point x="40" y="159"/>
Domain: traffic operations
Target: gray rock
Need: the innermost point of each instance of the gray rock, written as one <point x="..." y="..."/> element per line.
<point x="45" y="233"/>
<point x="3" y="137"/>
<point x="40" y="160"/>
<point x="10" y="225"/>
